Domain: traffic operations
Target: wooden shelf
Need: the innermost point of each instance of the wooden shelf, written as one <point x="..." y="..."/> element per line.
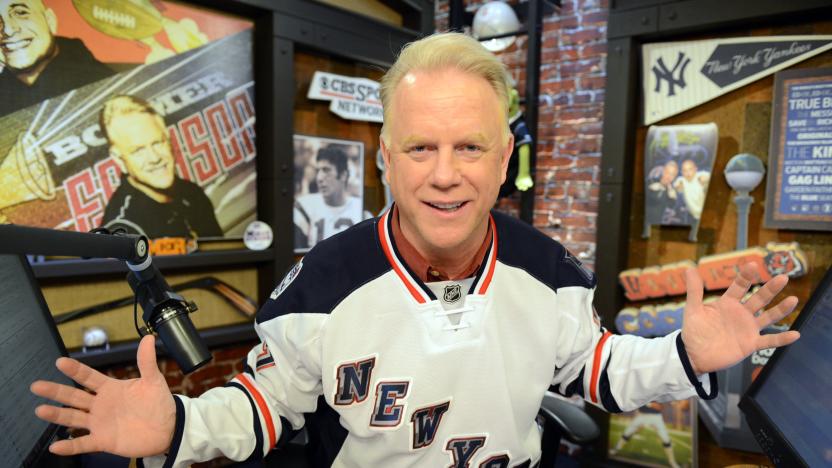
<point x="96" y="266"/>
<point x="125" y="353"/>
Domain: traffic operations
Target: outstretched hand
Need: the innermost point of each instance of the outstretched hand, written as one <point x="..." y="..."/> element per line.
<point x="131" y="418"/>
<point x="723" y="333"/>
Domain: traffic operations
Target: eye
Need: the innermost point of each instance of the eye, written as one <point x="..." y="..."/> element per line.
<point x="20" y="12"/>
<point x="470" y="148"/>
<point x="418" y="149"/>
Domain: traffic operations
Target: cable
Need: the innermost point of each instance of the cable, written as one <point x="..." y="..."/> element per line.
<point x="136" y="315"/>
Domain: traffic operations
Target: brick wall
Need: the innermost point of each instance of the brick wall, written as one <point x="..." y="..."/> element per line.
<point x="571" y="109"/>
<point x="226" y="363"/>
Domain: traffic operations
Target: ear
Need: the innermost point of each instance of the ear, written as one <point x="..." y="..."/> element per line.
<point x="51" y="20"/>
<point x="505" y="157"/>
<point x="385" y="155"/>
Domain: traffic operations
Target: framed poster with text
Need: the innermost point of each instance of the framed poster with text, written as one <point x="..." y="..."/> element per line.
<point x="799" y="188"/>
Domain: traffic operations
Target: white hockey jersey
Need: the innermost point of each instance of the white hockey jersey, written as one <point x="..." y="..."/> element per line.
<point x="360" y="351"/>
<point x="319" y="220"/>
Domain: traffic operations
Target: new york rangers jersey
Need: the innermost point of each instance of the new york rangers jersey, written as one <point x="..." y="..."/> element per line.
<point x="384" y="370"/>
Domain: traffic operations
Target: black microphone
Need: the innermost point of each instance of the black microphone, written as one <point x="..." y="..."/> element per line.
<point x="166" y="313"/>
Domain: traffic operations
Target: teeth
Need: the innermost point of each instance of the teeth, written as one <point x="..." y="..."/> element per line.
<point x="16" y="45"/>
<point x="446" y="206"/>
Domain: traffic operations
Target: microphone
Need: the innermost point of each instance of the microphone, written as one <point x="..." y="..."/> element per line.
<point x="166" y="313"/>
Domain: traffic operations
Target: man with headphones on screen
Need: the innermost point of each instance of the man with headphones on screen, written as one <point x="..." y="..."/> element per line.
<point x="427" y="336"/>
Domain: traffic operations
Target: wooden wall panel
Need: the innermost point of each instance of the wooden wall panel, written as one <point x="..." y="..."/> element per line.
<point x="717" y="232"/>
<point x="313" y="118"/>
<point x="69" y="295"/>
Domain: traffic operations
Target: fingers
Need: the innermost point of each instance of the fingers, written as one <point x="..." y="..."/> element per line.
<point x="777" y="339"/>
<point x="63" y="394"/>
<point x="85" y="444"/>
<point x="68" y="417"/>
<point x="767" y="293"/>
<point x="777" y="313"/>
<point x="746" y="277"/>
<point x="694" y="286"/>
<point x="146" y="358"/>
<point x="81" y="373"/>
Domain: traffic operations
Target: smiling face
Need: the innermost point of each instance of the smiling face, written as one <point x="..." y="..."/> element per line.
<point x="26" y="34"/>
<point x="689" y="169"/>
<point x="669" y="172"/>
<point x="331" y="184"/>
<point x="446" y="154"/>
<point x="140" y="141"/>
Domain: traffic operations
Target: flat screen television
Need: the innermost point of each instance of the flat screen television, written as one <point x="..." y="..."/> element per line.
<point x="29" y="346"/>
<point x="789" y="405"/>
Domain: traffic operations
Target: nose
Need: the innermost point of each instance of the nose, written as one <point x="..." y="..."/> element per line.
<point x="156" y="154"/>
<point x="7" y="27"/>
<point x="446" y="171"/>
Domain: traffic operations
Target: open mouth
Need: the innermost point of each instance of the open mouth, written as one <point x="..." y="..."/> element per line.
<point x="447" y="207"/>
<point x="12" y="46"/>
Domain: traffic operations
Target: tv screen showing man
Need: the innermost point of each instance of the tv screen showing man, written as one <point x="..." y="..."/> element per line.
<point x="151" y="199"/>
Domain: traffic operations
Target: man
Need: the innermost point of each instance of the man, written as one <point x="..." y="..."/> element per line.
<point x="649" y="415"/>
<point x="151" y="199"/>
<point x="37" y="65"/>
<point x="426" y="337"/>
<point x="331" y="210"/>
<point x="661" y="196"/>
<point x="693" y="184"/>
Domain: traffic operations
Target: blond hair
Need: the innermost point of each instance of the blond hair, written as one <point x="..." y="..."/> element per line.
<point x="124" y="104"/>
<point x="446" y="50"/>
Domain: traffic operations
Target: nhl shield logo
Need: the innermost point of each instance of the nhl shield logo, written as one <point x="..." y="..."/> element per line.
<point x="452" y="293"/>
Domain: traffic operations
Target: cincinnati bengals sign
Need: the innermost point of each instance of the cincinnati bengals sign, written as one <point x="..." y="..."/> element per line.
<point x="717" y="271"/>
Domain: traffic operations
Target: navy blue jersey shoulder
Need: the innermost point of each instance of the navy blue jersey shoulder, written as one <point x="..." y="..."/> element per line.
<point x="523" y="246"/>
<point x="329" y="272"/>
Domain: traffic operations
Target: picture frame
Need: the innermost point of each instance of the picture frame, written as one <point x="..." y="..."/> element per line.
<point x="187" y="68"/>
<point x="328" y="188"/>
<point x="799" y="186"/>
<point x="646" y="429"/>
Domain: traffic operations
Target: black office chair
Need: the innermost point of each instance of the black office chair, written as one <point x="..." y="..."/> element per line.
<point x="563" y="420"/>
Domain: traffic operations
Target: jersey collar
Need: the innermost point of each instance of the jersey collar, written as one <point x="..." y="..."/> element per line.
<point x="417" y="289"/>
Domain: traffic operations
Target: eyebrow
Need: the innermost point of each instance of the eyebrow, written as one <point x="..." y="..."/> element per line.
<point x="478" y="137"/>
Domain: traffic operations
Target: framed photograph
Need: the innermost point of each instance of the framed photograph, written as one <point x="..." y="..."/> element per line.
<point x="658" y="434"/>
<point x="329" y="188"/>
<point x="135" y="116"/>
<point x="678" y="161"/>
<point x="799" y="188"/>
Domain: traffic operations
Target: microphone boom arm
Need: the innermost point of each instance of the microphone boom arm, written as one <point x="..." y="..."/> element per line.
<point x="165" y="312"/>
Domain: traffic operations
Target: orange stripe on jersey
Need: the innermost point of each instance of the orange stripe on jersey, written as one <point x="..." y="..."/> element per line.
<point x="493" y="262"/>
<point x="383" y="237"/>
<point x="264" y="408"/>
<point x="596" y="367"/>
<point x="265" y="366"/>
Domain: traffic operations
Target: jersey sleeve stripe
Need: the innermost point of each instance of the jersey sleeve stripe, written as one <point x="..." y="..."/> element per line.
<point x="258" y="431"/>
<point x="261" y="404"/>
<point x="596" y="367"/>
<point x="388" y="252"/>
